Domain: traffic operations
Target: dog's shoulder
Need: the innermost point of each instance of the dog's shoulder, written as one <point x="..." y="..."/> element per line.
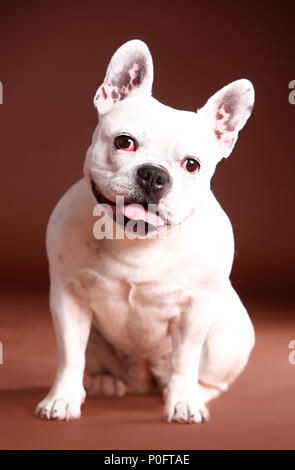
<point x="210" y="238"/>
<point x="70" y="222"/>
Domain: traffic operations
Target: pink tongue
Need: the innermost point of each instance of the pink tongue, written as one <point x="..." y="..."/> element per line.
<point x="137" y="212"/>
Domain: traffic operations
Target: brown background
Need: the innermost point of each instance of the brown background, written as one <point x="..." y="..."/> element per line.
<point x="53" y="57"/>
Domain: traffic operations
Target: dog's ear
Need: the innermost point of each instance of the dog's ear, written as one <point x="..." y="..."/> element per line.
<point x="130" y="72"/>
<point x="227" y="112"/>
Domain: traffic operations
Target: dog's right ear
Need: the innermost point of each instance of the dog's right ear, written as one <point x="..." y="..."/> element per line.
<point x="227" y="112"/>
<point x="129" y="73"/>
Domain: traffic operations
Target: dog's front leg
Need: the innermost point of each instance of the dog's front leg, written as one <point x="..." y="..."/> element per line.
<point x="183" y="402"/>
<point x="72" y="323"/>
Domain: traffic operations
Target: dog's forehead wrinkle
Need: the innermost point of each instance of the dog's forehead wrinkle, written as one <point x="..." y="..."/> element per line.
<point x="148" y="112"/>
<point x="143" y="122"/>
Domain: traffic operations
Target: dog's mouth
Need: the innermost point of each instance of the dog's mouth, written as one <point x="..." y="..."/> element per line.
<point x="140" y="218"/>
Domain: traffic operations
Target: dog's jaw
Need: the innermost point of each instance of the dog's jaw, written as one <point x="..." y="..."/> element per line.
<point x="146" y="221"/>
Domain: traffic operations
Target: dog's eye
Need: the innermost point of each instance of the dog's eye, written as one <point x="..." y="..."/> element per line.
<point x="124" y="142"/>
<point x="191" y="165"/>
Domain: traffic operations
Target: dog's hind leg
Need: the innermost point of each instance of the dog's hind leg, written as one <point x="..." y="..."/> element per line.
<point x="104" y="366"/>
<point x="112" y="372"/>
<point x="227" y="347"/>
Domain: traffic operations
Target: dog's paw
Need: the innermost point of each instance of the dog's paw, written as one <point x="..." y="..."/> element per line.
<point x="186" y="412"/>
<point x="183" y="407"/>
<point x="106" y="385"/>
<point x="61" y="406"/>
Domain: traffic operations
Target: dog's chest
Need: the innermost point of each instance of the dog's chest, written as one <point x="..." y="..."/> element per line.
<point x="135" y="317"/>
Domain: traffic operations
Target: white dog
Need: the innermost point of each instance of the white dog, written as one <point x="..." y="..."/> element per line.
<point x="162" y="309"/>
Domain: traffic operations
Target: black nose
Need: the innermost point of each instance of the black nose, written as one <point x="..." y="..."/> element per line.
<point x="153" y="180"/>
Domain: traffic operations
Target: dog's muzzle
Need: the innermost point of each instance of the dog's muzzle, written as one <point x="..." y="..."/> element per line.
<point x="154" y="181"/>
<point x="146" y="217"/>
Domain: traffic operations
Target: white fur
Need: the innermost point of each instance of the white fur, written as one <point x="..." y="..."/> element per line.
<point x="163" y="310"/>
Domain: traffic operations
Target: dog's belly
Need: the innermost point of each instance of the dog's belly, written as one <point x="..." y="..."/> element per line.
<point x="136" y="318"/>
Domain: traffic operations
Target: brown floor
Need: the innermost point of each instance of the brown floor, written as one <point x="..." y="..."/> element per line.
<point x="257" y="413"/>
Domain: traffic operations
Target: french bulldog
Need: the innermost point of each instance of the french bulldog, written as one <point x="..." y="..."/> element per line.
<point x="150" y="307"/>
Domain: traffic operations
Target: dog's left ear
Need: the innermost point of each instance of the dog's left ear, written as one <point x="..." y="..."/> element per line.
<point x="129" y="73"/>
<point x="227" y="112"/>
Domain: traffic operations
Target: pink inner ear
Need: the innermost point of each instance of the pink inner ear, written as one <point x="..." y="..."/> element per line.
<point x="108" y="94"/>
<point x="224" y="136"/>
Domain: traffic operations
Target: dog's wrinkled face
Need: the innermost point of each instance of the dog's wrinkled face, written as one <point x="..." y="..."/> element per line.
<point x="159" y="159"/>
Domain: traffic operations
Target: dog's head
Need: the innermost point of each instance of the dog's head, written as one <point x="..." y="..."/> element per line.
<point x="159" y="159"/>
